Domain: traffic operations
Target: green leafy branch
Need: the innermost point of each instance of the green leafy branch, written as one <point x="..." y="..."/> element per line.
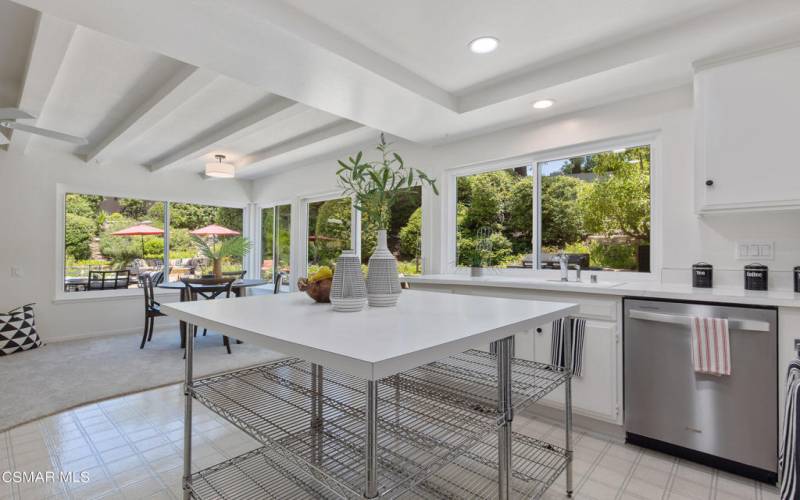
<point x="375" y="185"/>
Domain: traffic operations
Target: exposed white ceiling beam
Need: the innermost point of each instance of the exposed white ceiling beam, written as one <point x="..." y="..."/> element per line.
<point x="186" y="83"/>
<point x="273" y="109"/>
<point x="335" y="129"/>
<point x="51" y="40"/>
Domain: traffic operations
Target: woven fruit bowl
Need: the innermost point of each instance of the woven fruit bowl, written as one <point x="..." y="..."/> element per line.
<point x="319" y="290"/>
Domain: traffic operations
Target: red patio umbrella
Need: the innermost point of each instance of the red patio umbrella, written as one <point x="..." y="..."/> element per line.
<point x="215" y="230"/>
<point x="139" y="230"/>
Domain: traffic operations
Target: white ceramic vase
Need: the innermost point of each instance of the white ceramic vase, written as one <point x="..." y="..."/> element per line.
<point x="383" y="282"/>
<point x="348" y="289"/>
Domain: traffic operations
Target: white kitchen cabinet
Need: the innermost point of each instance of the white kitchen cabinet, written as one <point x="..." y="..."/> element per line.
<point x="595" y="393"/>
<point x="745" y="133"/>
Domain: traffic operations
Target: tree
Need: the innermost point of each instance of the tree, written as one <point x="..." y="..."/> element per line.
<point x="619" y="200"/>
<point x="519" y="228"/>
<point x="411" y="237"/>
<point x="134" y="208"/>
<point x="82" y="205"/>
<point x="190" y="215"/>
<point x="232" y="218"/>
<point x="487" y="194"/>
<point x="78" y="234"/>
<point x="332" y="230"/>
<point x="561" y="217"/>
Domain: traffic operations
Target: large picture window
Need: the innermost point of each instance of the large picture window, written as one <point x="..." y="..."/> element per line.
<point x="595" y="208"/>
<point x="111" y="242"/>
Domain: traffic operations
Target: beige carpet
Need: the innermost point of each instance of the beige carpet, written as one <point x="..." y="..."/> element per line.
<point x="60" y="376"/>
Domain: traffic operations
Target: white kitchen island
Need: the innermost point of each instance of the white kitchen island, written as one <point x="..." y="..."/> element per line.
<point x="384" y="402"/>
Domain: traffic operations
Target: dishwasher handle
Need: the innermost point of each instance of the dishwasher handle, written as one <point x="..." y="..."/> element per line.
<point x="733" y="324"/>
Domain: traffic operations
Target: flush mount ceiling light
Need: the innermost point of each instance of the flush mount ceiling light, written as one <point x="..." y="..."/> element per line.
<point x="220" y="170"/>
<point x="484" y="45"/>
<point x="543" y="103"/>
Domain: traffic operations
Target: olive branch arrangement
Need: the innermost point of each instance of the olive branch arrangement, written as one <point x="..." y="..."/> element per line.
<point x="374" y="185"/>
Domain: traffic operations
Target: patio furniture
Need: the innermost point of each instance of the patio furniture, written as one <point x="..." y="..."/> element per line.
<point x="208" y="289"/>
<point x="239" y="288"/>
<point x="75" y="284"/>
<point x="109" y="280"/>
<point x="152" y="309"/>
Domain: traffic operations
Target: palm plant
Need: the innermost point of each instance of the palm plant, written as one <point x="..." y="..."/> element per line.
<point x="235" y="247"/>
<point x="375" y="184"/>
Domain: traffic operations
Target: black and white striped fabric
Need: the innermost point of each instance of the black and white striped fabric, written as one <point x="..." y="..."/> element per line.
<point x="557" y="344"/>
<point x="18" y="330"/>
<point x="787" y="458"/>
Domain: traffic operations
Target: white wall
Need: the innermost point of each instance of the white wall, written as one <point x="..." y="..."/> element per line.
<point x="28" y="233"/>
<point x="683" y="239"/>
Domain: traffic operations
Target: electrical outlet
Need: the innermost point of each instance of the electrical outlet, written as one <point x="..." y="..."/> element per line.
<point x="755" y="250"/>
<point x="16" y="272"/>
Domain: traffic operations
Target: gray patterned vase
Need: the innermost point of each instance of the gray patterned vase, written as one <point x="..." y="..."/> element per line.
<point x="383" y="282"/>
<point x="348" y="290"/>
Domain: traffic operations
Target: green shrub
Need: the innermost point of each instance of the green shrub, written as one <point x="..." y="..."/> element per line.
<point x="78" y="233"/>
<point x="612" y="256"/>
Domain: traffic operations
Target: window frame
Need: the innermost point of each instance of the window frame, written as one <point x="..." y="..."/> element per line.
<point x="534" y="161"/>
<point x="258" y="247"/>
<point x="302" y="245"/>
<point x="59" y="295"/>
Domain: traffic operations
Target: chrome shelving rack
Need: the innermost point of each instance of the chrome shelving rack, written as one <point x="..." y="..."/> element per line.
<point x="430" y="429"/>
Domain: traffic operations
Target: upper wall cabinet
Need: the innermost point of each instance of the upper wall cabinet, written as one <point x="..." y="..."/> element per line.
<point x="747" y="126"/>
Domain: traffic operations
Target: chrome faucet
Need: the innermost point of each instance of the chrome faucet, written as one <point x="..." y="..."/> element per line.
<point x="563" y="264"/>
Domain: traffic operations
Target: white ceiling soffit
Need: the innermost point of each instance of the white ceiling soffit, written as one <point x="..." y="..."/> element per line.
<point x="279" y="48"/>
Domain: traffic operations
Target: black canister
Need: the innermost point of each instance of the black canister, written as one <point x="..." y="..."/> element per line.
<point x="797" y="279"/>
<point x="755" y="277"/>
<point x="702" y="275"/>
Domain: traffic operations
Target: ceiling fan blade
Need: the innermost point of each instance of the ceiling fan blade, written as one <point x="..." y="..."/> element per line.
<point x="47" y="133"/>
<point x="13" y="114"/>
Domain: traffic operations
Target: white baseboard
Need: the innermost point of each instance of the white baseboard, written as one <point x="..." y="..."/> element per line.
<point x="107" y="333"/>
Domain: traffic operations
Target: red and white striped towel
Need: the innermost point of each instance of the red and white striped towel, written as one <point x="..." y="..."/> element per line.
<point x="711" y="346"/>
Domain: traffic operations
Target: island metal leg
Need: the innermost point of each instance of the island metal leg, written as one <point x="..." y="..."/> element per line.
<point x="316" y="410"/>
<point x="371" y="441"/>
<point x="187" y="416"/>
<point x="503" y="348"/>
<point x="568" y="400"/>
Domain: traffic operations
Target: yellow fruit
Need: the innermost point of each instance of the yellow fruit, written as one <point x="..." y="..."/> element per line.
<point x="323" y="273"/>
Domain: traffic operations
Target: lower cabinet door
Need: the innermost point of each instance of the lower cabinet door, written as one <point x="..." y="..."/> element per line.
<point x="595" y="393"/>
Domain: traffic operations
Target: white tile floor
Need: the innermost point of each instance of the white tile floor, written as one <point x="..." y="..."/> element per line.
<point x="131" y="448"/>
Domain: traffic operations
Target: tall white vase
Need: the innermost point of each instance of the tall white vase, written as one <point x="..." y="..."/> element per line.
<point x="383" y="282"/>
<point x="348" y="290"/>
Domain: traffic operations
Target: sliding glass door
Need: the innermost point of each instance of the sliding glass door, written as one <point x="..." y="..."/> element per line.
<point x="276" y="223"/>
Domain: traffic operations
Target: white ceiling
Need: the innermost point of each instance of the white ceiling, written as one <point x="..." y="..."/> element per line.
<point x="430" y="38"/>
<point x="273" y="83"/>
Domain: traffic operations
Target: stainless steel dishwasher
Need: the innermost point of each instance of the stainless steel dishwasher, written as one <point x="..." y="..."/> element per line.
<point x="729" y="422"/>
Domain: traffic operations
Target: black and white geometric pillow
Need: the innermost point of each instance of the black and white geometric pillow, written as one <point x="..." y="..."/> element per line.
<point x="18" y="330"/>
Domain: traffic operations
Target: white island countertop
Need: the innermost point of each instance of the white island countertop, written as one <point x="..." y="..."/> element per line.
<point x="646" y="289"/>
<point x="373" y="343"/>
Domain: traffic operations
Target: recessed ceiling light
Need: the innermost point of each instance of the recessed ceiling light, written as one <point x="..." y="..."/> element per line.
<point x="220" y="170"/>
<point x="543" y="103"/>
<point x="484" y="45"/>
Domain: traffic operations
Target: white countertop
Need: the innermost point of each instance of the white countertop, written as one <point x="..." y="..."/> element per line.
<point x="373" y="343"/>
<point x="781" y="298"/>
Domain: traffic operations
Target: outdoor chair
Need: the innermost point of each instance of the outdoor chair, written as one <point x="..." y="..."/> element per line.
<point x="152" y="309"/>
<point x="109" y="280"/>
<point x="208" y="289"/>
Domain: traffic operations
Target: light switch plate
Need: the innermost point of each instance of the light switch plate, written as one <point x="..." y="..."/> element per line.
<point x="754" y="250"/>
<point x="16" y="272"/>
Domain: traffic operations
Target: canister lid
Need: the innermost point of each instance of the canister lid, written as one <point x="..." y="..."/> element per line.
<point x="756" y="267"/>
<point x="705" y="265"/>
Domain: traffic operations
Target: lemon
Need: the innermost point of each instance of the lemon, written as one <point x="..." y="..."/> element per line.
<point x="323" y="273"/>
